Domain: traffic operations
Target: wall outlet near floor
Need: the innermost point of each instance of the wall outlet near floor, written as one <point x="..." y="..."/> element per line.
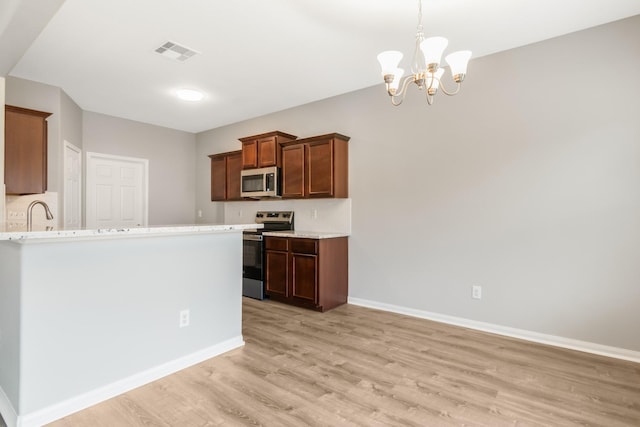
<point x="184" y="318"/>
<point x="476" y="292"/>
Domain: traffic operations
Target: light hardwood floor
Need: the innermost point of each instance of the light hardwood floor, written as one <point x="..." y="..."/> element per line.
<point x="354" y="366"/>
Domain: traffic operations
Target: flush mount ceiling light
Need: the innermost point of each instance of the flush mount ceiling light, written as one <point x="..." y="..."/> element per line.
<point x="190" y="95"/>
<point x="425" y="65"/>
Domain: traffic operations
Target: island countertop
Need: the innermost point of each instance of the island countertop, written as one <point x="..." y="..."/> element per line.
<point x="19" y="232"/>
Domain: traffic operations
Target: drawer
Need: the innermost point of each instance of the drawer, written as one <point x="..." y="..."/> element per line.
<point x="304" y="246"/>
<point x="276" y="244"/>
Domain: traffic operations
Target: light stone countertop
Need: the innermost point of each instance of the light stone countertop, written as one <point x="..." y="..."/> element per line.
<point x="18" y="232"/>
<point x="305" y="234"/>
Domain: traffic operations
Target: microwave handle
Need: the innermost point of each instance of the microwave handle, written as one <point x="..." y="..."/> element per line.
<point x="269" y="182"/>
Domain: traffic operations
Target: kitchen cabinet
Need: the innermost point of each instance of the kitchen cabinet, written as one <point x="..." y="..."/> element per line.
<point x="316" y="167"/>
<point x="260" y="151"/>
<point x="310" y="273"/>
<point x="225" y="176"/>
<point x="25" y="150"/>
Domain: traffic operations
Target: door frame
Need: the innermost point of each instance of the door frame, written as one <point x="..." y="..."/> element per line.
<point x="89" y="194"/>
<point x="72" y="147"/>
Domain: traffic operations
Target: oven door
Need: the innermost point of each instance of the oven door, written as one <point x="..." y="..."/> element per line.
<point x="252" y="271"/>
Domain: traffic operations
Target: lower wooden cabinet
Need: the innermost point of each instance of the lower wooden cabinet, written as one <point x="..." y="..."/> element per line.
<point x="311" y="273"/>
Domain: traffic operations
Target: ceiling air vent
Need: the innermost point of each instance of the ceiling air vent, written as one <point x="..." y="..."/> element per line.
<point x="176" y="52"/>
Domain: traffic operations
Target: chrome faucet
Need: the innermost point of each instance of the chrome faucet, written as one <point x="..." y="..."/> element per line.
<point x="47" y="212"/>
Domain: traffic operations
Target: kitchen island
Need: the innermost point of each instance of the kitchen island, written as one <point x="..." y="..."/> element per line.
<point x="86" y="315"/>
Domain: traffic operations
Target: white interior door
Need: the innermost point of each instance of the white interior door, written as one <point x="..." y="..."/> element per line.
<point x="117" y="189"/>
<point x="72" y="185"/>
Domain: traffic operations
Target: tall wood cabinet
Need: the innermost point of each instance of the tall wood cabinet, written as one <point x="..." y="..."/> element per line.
<point x="316" y="167"/>
<point x="311" y="273"/>
<point x="25" y="150"/>
<point x="225" y="176"/>
<point x="261" y="151"/>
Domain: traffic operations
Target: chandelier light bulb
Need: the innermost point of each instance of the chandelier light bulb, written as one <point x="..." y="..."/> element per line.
<point x="397" y="76"/>
<point x="458" y="62"/>
<point x="389" y="61"/>
<point x="432" y="83"/>
<point x="432" y="49"/>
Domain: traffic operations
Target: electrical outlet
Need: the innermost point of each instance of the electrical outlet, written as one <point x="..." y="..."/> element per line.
<point x="314" y="213"/>
<point x="184" y="318"/>
<point x="476" y="292"/>
<point x="199" y="213"/>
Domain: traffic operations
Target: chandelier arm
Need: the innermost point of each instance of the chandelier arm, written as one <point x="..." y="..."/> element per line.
<point x="429" y="98"/>
<point x="405" y="84"/>
<point x="396" y="103"/>
<point x="446" y="92"/>
<point x="399" y="95"/>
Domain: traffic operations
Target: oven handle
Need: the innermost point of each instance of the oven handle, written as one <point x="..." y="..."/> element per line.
<point x="252" y="238"/>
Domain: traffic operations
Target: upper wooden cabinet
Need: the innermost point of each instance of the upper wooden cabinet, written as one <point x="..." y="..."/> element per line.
<point x="25" y="150"/>
<point x="225" y="176"/>
<point x="263" y="150"/>
<point x="316" y="167"/>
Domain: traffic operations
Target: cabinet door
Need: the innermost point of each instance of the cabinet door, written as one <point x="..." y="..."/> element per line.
<point x="25" y="151"/>
<point x="276" y="270"/>
<point x="218" y="178"/>
<point x="320" y="169"/>
<point x="293" y="166"/>
<point x="267" y="152"/>
<point x="304" y="279"/>
<point x="233" y="169"/>
<point x="249" y="154"/>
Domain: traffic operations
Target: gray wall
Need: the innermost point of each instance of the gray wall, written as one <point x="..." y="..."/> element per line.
<point x="71" y="121"/>
<point x="42" y="97"/>
<point x="171" y="155"/>
<point x="65" y="123"/>
<point x="527" y="183"/>
<point x="170" y="152"/>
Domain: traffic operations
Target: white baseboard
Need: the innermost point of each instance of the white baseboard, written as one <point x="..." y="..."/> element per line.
<point x="588" y="347"/>
<point x="78" y="403"/>
<point x="6" y="410"/>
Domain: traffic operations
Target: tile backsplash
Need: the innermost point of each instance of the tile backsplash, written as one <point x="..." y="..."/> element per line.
<point x="320" y="215"/>
<point x="16" y="209"/>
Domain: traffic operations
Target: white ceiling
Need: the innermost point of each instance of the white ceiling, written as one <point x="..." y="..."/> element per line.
<point x="261" y="56"/>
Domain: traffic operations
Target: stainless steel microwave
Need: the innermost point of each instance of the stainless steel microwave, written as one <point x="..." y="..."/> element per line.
<point x="263" y="182"/>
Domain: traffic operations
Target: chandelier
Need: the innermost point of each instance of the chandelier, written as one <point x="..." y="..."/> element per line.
<point x="425" y="66"/>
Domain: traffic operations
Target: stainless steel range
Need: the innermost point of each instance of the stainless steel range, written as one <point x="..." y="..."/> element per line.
<point x="253" y="250"/>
